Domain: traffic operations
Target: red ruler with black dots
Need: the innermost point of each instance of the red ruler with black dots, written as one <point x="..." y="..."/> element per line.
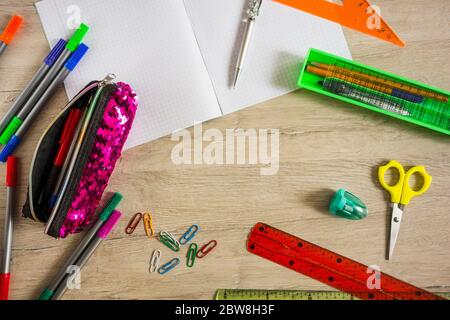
<point x="328" y="267"/>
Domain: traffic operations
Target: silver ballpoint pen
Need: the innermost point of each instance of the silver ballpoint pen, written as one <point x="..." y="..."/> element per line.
<point x="252" y="13"/>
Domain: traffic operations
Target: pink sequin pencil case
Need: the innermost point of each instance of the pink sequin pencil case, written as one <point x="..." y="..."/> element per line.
<point x="65" y="195"/>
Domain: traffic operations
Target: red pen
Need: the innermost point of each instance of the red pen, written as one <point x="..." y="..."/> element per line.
<point x="64" y="144"/>
<point x="11" y="177"/>
<point x="67" y="136"/>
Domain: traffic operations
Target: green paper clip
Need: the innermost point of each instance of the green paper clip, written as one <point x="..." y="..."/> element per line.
<point x="191" y="254"/>
<point x="169" y="241"/>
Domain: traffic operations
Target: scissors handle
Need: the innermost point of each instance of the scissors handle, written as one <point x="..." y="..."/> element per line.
<point x="396" y="189"/>
<point x="409" y="193"/>
<point x="401" y="192"/>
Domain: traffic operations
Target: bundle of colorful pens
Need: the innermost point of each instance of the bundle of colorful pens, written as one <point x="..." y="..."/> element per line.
<point x="171" y="242"/>
<point x="376" y="90"/>
<point x="59" y="169"/>
<point x="107" y="219"/>
<point x="60" y="62"/>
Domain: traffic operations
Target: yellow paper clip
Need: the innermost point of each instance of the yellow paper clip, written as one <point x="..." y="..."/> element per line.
<point x="148" y="225"/>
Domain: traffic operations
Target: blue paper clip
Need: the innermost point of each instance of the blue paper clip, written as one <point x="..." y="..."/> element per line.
<point x="192" y="231"/>
<point x="168" y="266"/>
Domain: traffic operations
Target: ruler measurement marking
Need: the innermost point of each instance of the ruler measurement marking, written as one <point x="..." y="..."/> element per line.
<point x="258" y="294"/>
<point x="321" y="264"/>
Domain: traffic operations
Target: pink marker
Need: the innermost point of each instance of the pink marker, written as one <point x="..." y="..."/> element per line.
<point x="86" y="255"/>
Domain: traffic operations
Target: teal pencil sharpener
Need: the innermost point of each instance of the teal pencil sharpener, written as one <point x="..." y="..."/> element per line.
<point x="346" y="205"/>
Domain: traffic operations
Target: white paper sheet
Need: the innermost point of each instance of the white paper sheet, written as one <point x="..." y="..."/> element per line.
<point x="279" y="43"/>
<point x="151" y="46"/>
<point x="179" y="56"/>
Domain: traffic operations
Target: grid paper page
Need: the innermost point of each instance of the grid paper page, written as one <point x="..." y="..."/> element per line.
<point x="279" y="43"/>
<point x="151" y="46"/>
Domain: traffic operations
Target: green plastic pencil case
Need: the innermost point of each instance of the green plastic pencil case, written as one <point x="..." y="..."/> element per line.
<point x="376" y="90"/>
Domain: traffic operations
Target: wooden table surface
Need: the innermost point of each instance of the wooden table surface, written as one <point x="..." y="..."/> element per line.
<point x="324" y="145"/>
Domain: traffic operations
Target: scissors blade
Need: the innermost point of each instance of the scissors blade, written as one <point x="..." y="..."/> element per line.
<point x="396" y="219"/>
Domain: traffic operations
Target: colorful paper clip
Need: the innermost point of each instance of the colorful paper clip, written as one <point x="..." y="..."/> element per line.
<point x="188" y="235"/>
<point x="206" y="249"/>
<point x="169" y="241"/>
<point x="148" y="225"/>
<point x="191" y="254"/>
<point x="154" y="261"/>
<point x="168" y="266"/>
<point x="133" y="223"/>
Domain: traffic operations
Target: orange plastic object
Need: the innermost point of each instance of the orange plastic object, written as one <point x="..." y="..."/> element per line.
<point x="11" y="29"/>
<point x="358" y="15"/>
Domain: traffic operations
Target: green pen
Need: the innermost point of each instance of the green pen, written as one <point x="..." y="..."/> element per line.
<point x="71" y="46"/>
<point x="99" y="237"/>
<point x="49" y="291"/>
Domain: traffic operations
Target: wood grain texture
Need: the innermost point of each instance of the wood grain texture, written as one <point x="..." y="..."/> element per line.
<point x="324" y="145"/>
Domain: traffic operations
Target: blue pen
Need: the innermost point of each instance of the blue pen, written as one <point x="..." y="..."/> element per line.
<point x="70" y="65"/>
<point x="22" y="98"/>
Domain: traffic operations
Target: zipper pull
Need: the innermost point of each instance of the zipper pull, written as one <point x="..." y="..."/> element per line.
<point x="107" y="80"/>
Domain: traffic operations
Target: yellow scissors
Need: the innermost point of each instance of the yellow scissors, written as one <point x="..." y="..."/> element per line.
<point x="401" y="194"/>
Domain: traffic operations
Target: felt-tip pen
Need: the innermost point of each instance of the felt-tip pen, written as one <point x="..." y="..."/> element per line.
<point x="70" y="65"/>
<point x="28" y="90"/>
<point x="9" y="32"/>
<point x="11" y="177"/>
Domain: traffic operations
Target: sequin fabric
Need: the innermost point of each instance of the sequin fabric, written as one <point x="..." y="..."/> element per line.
<point x="111" y="136"/>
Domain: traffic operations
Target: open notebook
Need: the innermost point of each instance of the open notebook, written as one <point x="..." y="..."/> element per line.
<point x="179" y="56"/>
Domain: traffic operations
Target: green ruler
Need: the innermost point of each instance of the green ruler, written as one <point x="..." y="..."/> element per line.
<point x="250" y="294"/>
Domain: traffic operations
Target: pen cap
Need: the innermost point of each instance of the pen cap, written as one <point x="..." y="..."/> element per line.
<point x="54" y="54"/>
<point x="9" y="148"/>
<point x="346" y="205"/>
<point x="11" y="29"/>
<point x="76" y="57"/>
<point x="4" y="286"/>
<point x="77" y="37"/>
<point x="109" y="224"/>
<point x="110" y="206"/>
<point x="11" y="172"/>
